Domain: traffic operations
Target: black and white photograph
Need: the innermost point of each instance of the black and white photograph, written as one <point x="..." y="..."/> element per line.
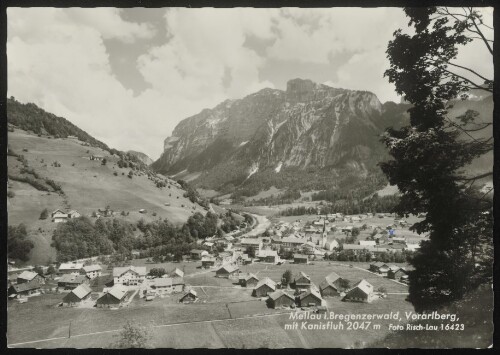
<point x="245" y="178"/>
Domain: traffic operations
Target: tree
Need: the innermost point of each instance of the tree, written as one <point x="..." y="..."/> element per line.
<point x="44" y="214"/>
<point x="430" y="155"/>
<point x="382" y="289"/>
<point x="38" y="269"/>
<point x="133" y="336"/>
<point x="51" y="270"/>
<point x="104" y="161"/>
<point x="157" y="272"/>
<point x="344" y="284"/>
<point x="286" y="278"/>
<point x="18" y="246"/>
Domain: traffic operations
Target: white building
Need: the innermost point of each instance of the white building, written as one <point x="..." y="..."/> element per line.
<point x="129" y="275"/>
<point x="92" y="271"/>
<point x="70" y="268"/>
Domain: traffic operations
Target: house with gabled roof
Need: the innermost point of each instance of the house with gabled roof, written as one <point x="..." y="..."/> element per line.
<point x="248" y="280"/>
<point x="129" y="275"/>
<point x="113" y="297"/>
<point x="264" y="287"/>
<point x="331" y="285"/>
<point x="27" y="276"/>
<point x="80" y="293"/>
<point x="300" y="259"/>
<point x="227" y="271"/>
<point x="69" y="268"/>
<point x="190" y="297"/>
<point x="311" y="298"/>
<point x="268" y="256"/>
<point x="91" y="271"/>
<point x="302" y="281"/>
<point x="29" y="288"/>
<point x="279" y="299"/>
<point x="396" y="272"/>
<point x="72" y="281"/>
<point x="380" y="267"/>
<point x="177" y="273"/>
<point x="59" y="216"/>
<point x="360" y="292"/>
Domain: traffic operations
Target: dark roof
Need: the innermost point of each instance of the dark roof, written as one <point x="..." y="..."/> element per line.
<point x="26" y="286"/>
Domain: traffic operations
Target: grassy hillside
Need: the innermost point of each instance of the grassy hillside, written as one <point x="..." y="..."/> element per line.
<point x="86" y="185"/>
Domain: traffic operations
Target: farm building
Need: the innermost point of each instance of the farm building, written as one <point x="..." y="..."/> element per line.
<point x="91" y="271"/>
<point x="197" y="254"/>
<point x="268" y="256"/>
<point x="73" y="214"/>
<point x="80" y="293"/>
<point x="331" y="285"/>
<point x="367" y="242"/>
<point x="178" y="284"/>
<point x="379" y="267"/>
<point x="361" y="292"/>
<point x="311" y="298"/>
<point x="280" y="298"/>
<point x="70" y="281"/>
<point x="302" y="281"/>
<point x="308" y="248"/>
<point x="245" y="259"/>
<point x="129" y="275"/>
<point x="300" y="259"/>
<point x="59" y="216"/>
<point x="207" y="261"/>
<point x="160" y="285"/>
<point x="189" y="297"/>
<point x="248" y="280"/>
<point x="27" y="276"/>
<point x="25" y="289"/>
<point x="227" y="271"/>
<point x="251" y="242"/>
<point x="114" y="297"/>
<point x="264" y="287"/>
<point x="70" y="268"/>
<point x="292" y="242"/>
<point x="396" y="272"/>
<point x="177" y="273"/>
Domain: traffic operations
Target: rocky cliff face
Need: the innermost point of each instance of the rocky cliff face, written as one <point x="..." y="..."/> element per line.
<point x="142" y="157"/>
<point x="308" y="126"/>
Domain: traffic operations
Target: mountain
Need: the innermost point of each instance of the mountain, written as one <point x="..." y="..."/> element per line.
<point x="141" y="156"/>
<point x="303" y="137"/>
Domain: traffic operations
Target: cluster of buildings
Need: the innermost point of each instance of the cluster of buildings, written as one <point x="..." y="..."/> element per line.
<point x="303" y="292"/>
<point x="59" y="215"/>
<point x="393" y="272"/>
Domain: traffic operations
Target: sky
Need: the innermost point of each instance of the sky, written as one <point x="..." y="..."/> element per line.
<point x="129" y="76"/>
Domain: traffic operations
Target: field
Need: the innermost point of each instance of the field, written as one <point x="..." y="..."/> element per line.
<point x="225" y="315"/>
<point x="87" y="185"/>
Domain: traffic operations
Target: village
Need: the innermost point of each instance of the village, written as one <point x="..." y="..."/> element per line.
<point x="294" y="266"/>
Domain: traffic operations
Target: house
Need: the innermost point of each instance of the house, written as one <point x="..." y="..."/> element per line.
<point x="92" y="271"/>
<point x="280" y="298"/>
<point x="251" y="242"/>
<point x="71" y="281"/>
<point x="73" y="214"/>
<point x="361" y="292"/>
<point x="311" y="298"/>
<point x="129" y="275"/>
<point x="70" y="268"/>
<point x="197" y="254"/>
<point x="302" y="281"/>
<point x="189" y="297"/>
<point x="292" y="242"/>
<point x="396" y="272"/>
<point x="177" y="273"/>
<point x="308" y="248"/>
<point x="96" y="157"/>
<point x="248" y="280"/>
<point x="331" y="285"/>
<point x="30" y="288"/>
<point x="268" y="256"/>
<point x="264" y="287"/>
<point x="77" y="295"/>
<point x="367" y="242"/>
<point x="412" y="247"/>
<point x="379" y="267"/>
<point x="178" y="284"/>
<point x="59" y="216"/>
<point x="227" y="271"/>
<point x="209" y="245"/>
<point x="114" y="297"/>
<point x="300" y="259"/>
<point x="27" y="276"/>
<point x="160" y="285"/>
<point x="245" y="259"/>
<point x="207" y="261"/>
